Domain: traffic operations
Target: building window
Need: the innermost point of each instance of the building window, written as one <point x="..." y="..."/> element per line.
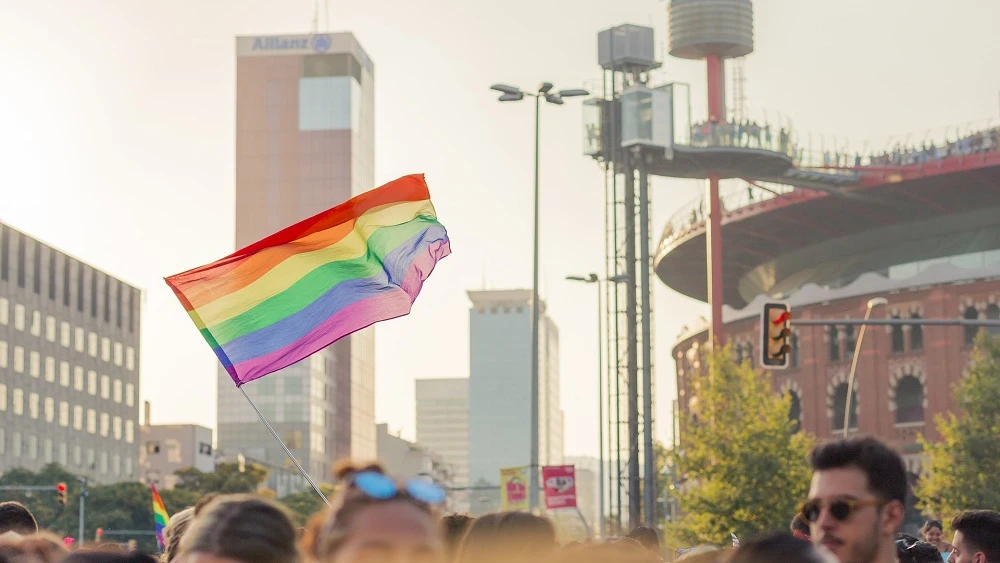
<point x="850" y="341"/>
<point x="79" y="284"/>
<point x="970" y="331"/>
<point x="34" y="363"/>
<point x="128" y="310"/>
<point x="18" y="359"/>
<point x="3" y="354"/>
<point x="5" y="253"/>
<point x="92" y="382"/>
<point x="117" y="427"/>
<point x="79" y="339"/>
<point x="36" y="262"/>
<point x="78" y="378"/>
<point x="92" y="344"/>
<point x="128" y="467"/>
<point x="22" y="263"/>
<point x="77" y="457"/>
<point x="105" y="387"/>
<point x="50" y="369"/>
<point x="129" y="358"/>
<point x="116" y="465"/>
<point x="63" y="450"/>
<point x="3" y="441"/>
<point x="118" y="303"/>
<point x="909" y="400"/>
<point x="19" y="317"/>
<point x="52" y="274"/>
<point x="15" y="445"/>
<point x="33" y="405"/>
<point x="64" y="374"/>
<point x="91" y="458"/>
<point x="993" y="314"/>
<point x="204" y="448"/>
<point x="106" y="349"/>
<point x="130" y="394"/>
<point x="49" y="409"/>
<point x="93" y="292"/>
<point x="64" y="334"/>
<point x="840" y="404"/>
<point x="92" y="421"/>
<point x="107" y="299"/>
<point x="77" y="417"/>
<point x="129" y="431"/>
<point x="63" y="414"/>
<point x="118" y="391"/>
<point x="50" y="329"/>
<point x="105" y="424"/>
<point x="32" y="447"/>
<point x="898" y="341"/>
<point x="47" y="450"/>
<point x="152" y="448"/>
<point x="118" y="353"/>
<point x="795" y="411"/>
<point x="36" y="323"/>
<point x="103" y="463"/>
<point x="4" y="311"/>
<point x="916" y="335"/>
<point x="65" y="270"/>
<point x="3" y="397"/>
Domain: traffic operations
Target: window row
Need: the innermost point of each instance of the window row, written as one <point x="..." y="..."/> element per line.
<point x="75" y="337"/>
<point x="28" y="446"/>
<point x="89" y="382"/>
<point x="34" y="406"/>
<point x="907" y="398"/>
<point x="76" y="283"/>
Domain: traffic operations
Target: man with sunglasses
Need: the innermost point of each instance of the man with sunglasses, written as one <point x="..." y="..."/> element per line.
<point x="856" y="500"/>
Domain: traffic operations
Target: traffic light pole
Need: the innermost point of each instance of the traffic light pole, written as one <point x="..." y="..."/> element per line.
<point x="897" y="322"/>
<point x="83" y="496"/>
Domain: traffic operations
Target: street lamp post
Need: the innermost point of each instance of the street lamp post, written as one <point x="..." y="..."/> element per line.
<point x="512" y="94"/>
<point x="593" y="278"/>
<point x="872" y="303"/>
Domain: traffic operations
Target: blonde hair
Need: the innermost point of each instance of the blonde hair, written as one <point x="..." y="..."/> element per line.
<point x="173" y="533"/>
<point x="244" y="528"/>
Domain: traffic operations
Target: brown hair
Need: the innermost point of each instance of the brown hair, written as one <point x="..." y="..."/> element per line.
<point x="173" y="533"/>
<point x="245" y="528"/>
<point x="42" y="547"/>
<point x="327" y="530"/>
<point x="503" y="536"/>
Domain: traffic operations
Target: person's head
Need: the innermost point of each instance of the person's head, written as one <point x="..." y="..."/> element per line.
<point x="108" y="556"/>
<point x="647" y="537"/>
<point x="453" y="529"/>
<point x="15" y="517"/>
<point x="800" y="528"/>
<point x="508" y="536"/>
<point x="173" y="533"/>
<point x="42" y="547"/>
<point x="856" y="499"/>
<point x="203" y="502"/>
<point x="620" y="551"/>
<point x="376" y="518"/>
<point x="701" y="554"/>
<point x="911" y="550"/>
<point x="779" y="547"/>
<point x="932" y="531"/>
<point x="240" y="529"/>
<point x="977" y="537"/>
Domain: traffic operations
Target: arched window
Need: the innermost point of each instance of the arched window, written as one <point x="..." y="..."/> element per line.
<point x="993" y="314"/>
<point x="916" y="335"/>
<point x="834" y="345"/>
<point x="795" y="411"/>
<point x="793" y="342"/>
<point x="909" y="400"/>
<point x="898" y="341"/>
<point x="971" y="331"/>
<point x="840" y="403"/>
<point x="850" y="341"/>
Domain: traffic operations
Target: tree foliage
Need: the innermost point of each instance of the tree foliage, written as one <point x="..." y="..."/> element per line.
<point x="304" y="504"/>
<point x="964" y="465"/>
<point x="741" y="466"/>
<point x="226" y="479"/>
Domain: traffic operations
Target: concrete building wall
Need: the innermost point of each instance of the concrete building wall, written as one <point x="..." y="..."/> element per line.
<point x="443" y="426"/>
<point x="167" y="448"/>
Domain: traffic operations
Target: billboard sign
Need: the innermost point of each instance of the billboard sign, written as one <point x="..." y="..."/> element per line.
<point x="514" y="489"/>
<point x="560" y="486"/>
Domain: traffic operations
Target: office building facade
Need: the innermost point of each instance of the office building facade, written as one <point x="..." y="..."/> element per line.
<point x="500" y="387"/>
<point x="443" y="427"/>
<point x="69" y="363"/>
<point x="167" y="448"/>
<point x="304" y="143"/>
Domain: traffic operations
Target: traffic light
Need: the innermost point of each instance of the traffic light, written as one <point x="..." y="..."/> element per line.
<point x="61" y="493"/>
<point x="98" y="535"/>
<point x="776" y="322"/>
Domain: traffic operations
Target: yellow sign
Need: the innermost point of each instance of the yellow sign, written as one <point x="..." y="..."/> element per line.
<point x="514" y="489"/>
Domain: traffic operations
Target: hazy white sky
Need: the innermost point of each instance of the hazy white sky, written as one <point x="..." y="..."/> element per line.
<point x="117" y="146"/>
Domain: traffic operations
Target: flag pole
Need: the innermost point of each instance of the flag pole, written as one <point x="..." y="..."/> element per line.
<point x="284" y="447"/>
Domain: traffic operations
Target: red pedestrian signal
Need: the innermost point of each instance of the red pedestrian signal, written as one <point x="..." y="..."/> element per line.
<point x="776" y="329"/>
<point x="61" y="493"/>
<point x="99" y="534"/>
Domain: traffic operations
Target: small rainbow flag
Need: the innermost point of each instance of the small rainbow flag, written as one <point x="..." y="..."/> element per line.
<point x="286" y="297"/>
<point x="160" y="517"/>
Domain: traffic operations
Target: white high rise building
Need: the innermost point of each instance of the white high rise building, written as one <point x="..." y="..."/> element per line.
<point x="443" y="427"/>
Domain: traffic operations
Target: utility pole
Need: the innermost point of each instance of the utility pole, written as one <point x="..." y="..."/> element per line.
<point x="83" y="496"/>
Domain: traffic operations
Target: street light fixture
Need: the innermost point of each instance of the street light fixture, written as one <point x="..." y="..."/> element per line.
<point x="872" y="303"/>
<point x="511" y="94"/>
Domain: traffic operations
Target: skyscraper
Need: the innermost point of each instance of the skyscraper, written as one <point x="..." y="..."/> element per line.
<point x="443" y="427"/>
<point x="500" y="386"/>
<point x="69" y="363"/>
<point x="304" y="143"/>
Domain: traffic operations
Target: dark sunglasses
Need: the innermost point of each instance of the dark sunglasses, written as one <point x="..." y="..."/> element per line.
<point x="840" y="508"/>
<point x="381" y="487"/>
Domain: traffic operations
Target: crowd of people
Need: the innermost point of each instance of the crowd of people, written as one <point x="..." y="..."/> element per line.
<point x="852" y="514"/>
<point x="739" y="133"/>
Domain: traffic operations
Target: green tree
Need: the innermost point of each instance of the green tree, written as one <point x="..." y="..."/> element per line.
<point x="742" y="466"/>
<point x="49" y="513"/>
<point x="226" y="479"/>
<point x="964" y="465"/>
<point x="304" y="504"/>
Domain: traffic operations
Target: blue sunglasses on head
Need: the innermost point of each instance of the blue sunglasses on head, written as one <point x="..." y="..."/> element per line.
<point x="378" y="486"/>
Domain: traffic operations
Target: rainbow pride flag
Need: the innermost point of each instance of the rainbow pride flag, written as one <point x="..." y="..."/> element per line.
<point x="297" y="291"/>
<point x="160" y="517"/>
